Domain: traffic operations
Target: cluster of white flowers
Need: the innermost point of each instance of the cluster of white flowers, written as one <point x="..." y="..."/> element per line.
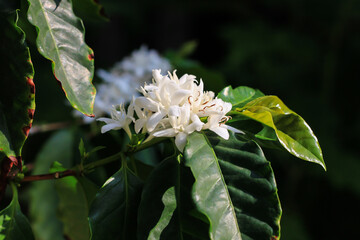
<point x="120" y="83"/>
<point x="173" y="107"/>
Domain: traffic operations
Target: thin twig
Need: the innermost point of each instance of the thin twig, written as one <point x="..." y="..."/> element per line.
<point x="55" y="175"/>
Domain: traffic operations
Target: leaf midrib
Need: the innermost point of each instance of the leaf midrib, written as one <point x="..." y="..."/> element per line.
<point x="223" y="181"/>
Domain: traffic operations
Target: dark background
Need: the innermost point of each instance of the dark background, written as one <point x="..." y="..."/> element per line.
<point x="306" y="52"/>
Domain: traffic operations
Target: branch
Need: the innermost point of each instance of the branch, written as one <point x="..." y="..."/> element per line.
<point x="55" y="175"/>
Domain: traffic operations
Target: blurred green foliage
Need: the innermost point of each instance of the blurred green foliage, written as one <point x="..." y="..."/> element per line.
<point x="306" y="52"/>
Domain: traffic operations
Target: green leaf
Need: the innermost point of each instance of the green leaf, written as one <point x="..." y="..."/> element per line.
<point x="73" y="207"/>
<point x="17" y="91"/>
<point x="169" y="201"/>
<point x="235" y="187"/>
<point x="210" y="192"/>
<point x="114" y="209"/>
<point x="239" y="96"/>
<point x="43" y="199"/>
<point x="294" y="134"/>
<point x="61" y="40"/>
<point x="89" y="10"/>
<point x="167" y="214"/>
<point x="13" y="224"/>
<point x="251" y="184"/>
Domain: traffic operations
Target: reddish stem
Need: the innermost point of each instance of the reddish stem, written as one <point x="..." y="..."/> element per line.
<point x="55" y="175"/>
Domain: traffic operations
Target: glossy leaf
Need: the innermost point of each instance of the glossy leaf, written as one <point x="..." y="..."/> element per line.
<point x="17" y="90"/>
<point x="294" y="134"/>
<point x="210" y="191"/>
<point x="167" y="214"/>
<point x="113" y="212"/>
<point x="251" y="185"/>
<point x="169" y="201"/>
<point x="13" y="223"/>
<point x="43" y="199"/>
<point x="61" y="40"/>
<point x="239" y="96"/>
<point x="89" y="10"/>
<point x="235" y="187"/>
<point x="73" y="207"/>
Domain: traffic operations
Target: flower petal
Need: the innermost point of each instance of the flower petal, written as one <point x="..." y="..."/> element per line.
<point x="169" y="132"/>
<point x="147" y="103"/>
<point x="221" y="131"/>
<point x="139" y="124"/>
<point x="107" y="120"/>
<point x="180" y="141"/>
<point x="154" y="120"/>
<point x="235" y="130"/>
<point x="111" y="126"/>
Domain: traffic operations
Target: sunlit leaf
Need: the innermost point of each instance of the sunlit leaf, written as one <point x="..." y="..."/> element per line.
<point x="210" y="192"/>
<point x="169" y="201"/>
<point x="61" y="40"/>
<point x="294" y="134"/>
<point x="251" y="184"/>
<point x="239" y="96"/>
<point x="234" y="187"/>
<point x="13" y="223"/>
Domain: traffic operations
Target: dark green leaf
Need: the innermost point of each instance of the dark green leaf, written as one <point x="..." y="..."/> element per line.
<point x="113" y="212"/>
<point x="61" y="40"/>
<point x="167" y="213"/>
<point x="251" y="185"/>
<point x="73" y="207"/>
<point x="17" y="91"/>
<point x="43" y="197"/>
<point x="294" y="134"/>
<point x="210" y="191"/>
<point x="239" y="96"/>
<point x="13" y="224"/>
<point x="89" y="10"/>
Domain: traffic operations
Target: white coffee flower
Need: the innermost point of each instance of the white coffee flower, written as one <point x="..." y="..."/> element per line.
<point x="182" y="123"/>
<point x="172" y="107"/>
<point x="119" y="119"/>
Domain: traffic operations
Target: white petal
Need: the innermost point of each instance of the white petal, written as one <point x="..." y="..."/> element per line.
<point x="227" y="107"/>
<point x="111" y="126"/>
<point x="130" y="111"/>
<point x="195" y="125"/>
<point x="157" y="74"/>
<point x="154" y="120"/>
<point x="180" y="141"/>
<point x="170" y="132"/>
<point x="221" y="131"/>
<point x="213" y="121"/>
<point x="174" y="111"/>
<point x="107" y="120"/>
<point x="179" y="96"/>
<point x="139" y="124"/>
<point x="235" y="130"/>
<point x="147" y="103"/>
